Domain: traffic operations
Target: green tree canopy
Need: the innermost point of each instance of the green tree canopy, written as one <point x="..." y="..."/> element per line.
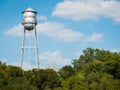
<point x="95" y="69"/>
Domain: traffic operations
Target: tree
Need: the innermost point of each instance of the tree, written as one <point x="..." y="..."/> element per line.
<point x="93" y="80"/>
<point x="86" y="57"/>
<point x="3" y="74"/>
<point x="43" y="78"/>
<point x="66" y="72"/>
<point x="14" y="71"/>
<point x="112" y="65"/>
<point x="95" y="69"/>
<point x="18" y="83"/>
<point x="107" y="57"/>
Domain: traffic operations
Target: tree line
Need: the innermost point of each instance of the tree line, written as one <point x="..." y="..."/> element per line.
<point x="95" y="69"/>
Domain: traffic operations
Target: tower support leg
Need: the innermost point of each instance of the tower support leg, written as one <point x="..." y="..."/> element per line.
<point x="22" y="48"/>
<point x="36" y="46"/>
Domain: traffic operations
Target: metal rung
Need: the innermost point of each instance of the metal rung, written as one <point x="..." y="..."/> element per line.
<point x="29" y="47"/>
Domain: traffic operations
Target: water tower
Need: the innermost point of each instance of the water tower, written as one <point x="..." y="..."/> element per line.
<point x="29" y="24"/>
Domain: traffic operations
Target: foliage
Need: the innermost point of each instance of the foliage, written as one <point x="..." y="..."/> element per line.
<point x="18" y="83"/>
<point x="95" y="69"/>
<point x="44" y="78"/>
<point x="66" y="71"/>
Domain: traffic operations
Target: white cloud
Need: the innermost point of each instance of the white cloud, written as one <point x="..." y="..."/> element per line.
<point x="15" y="30"/>
<point x="115" y="50"/>
<point x="54" y="58"/>
<point x="87" y="9"/>
<point x="27" y="66"/>
<point x="48" y="59"/>
<point x="51" y="29"/>
<point x="58" y="31"/>
<point x="41" y="18"/>
<point x="95" y="37"/>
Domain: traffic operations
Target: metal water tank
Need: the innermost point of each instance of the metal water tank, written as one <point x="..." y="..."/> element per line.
<point x="29" y="19"/>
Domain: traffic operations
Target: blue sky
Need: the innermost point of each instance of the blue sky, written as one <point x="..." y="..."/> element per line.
<point x="65" y="28"/>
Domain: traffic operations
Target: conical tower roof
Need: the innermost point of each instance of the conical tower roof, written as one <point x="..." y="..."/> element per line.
<point x="29" y="10"/>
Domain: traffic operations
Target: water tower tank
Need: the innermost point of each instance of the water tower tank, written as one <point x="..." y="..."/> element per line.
<point x="29" y="19"/>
